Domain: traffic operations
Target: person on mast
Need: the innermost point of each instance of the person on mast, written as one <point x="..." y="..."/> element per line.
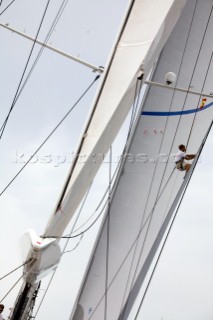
<point x="181" y="156"/>
<point x="1" y="310"/>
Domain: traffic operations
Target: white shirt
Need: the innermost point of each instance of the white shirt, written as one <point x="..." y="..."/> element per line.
<point x="179" y="156"/>
<point x="1" y="317"/>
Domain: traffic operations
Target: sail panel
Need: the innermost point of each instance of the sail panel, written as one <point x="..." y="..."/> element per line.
<point x="147" y="28"/>
<point x="148" y="184"/>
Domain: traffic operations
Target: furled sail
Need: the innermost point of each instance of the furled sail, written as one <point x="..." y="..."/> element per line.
<point x="148" y="184"/>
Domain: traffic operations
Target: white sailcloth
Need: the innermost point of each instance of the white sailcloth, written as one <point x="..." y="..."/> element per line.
<point x="147" y="187"/>
<point x="147" y="27"/>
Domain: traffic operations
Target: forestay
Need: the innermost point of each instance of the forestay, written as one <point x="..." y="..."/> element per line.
<point x="146" y="187"/>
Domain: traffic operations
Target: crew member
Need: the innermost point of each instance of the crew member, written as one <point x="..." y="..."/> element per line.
<point x="181" y="156"/>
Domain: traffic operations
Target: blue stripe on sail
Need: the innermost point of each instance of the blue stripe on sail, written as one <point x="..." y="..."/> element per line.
<point x="174" y="113"/>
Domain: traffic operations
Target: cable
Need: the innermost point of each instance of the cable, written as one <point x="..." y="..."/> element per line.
<point x="154" y="173"/>
<point x="172" y="222"/>
<point x="7" y="7"/>
<point x="11" y="288"/>
<point x="108" y="235"/>
<point x="107" y="190"/>
<point x="76" y="246"/>
<point x="50" y="134"/>
<point x="204" y="82"/>
<point x="63" y="251"/>
<point x="175" y="133"/>
<point x="197" y="61"/>
<point x="82" y="233"/>
<point x="173" y="95"/>
<point x="31" y="261"/>
<point x="25" y="68"/>
<point x="128" y="252"/>
<point x="54" y="23"/>
<point x="6" y="275"/>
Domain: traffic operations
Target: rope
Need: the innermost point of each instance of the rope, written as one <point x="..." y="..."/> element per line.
<point x="107" y="191"/>
<point x="6" y="275"/>
<point x="207" y="72"/>
<point x="108" y="236"/>
<point x="154" y="173"/>
<point x="63" y="251"/>
<point x="51" y="133"/>
<point x="170" y="107"/>
<point x="11" y="289"/>
<point x="7" y="7"/>
<point x="176" y="128"/>
<point x="196" y="65"/>
<point x="31" y="261"/>
<point x="128" y="253"/>
<point x="25" y="68"/>
<point x="54" y="23"/>
<point x="172" y="222"/>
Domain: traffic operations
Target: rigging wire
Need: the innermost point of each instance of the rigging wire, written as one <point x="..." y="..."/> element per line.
<point x="25" y="69"/>
<point x="185" y="101"/>
<point x="81" y="234"/>
<point x="133" y="279"/>
<point x="137" y="97"/>
<point x="134" y="241"/>
<point x="128" y="253"/>
<point x="30" y="262"/>
<point x="204" y="82"/>
<point x="96" y="209"/>
<point x="54" y="23"/>
<point x="134" y="109"/>
<point x="173" y="220"/>
<point x="63" y="251"/>
<point x="9" y="273"/>
<point x="15" y="284"/>
<point x="193" y="72"/>
<point x="108" y="236"/>
<point x="183" y="56"/>
<point x="7" y="6"/>
<point x="51" y="133"/>
<point x="68" y="237"/>
<point x="153" y="176"/>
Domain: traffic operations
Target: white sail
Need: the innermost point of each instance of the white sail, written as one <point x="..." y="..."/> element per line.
<point x="147" y="185"/>
<point x="145" y="31"/>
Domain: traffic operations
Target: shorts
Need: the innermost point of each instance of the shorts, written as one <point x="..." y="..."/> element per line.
<point x="181" y="165"/>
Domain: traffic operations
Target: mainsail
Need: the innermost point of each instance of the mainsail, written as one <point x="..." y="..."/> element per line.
<point x="148" y="188"/>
